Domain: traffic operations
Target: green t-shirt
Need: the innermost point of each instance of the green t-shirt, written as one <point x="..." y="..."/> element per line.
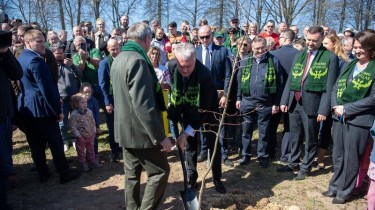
<point x="232" y="48"/>
<point x="90" y="74"/>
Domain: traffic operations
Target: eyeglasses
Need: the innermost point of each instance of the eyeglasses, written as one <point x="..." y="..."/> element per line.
<point x="234" y="22"/>
<point x="244" y="45"/>
<point x="205" y="37"/>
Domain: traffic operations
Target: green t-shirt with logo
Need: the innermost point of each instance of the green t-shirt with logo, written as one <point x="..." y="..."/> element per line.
<point x="90" y="74"/>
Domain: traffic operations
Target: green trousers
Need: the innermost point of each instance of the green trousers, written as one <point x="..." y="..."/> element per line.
<point x="155" y="163"/>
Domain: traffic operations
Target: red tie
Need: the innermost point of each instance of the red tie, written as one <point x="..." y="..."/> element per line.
<point x="297" y="94"/>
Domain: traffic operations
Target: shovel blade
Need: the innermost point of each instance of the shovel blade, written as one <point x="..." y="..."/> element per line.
<point x="189" y="199"/>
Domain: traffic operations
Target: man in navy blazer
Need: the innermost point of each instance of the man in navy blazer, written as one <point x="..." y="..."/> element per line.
<point x="105" y="84"/>
<point x="216" y="59"/>
<point x="40" y="109"/>
<point x="286" y="55"/>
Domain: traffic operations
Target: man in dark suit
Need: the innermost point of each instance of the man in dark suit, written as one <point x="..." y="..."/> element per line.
<point x="10" y="69"/>
<point x="105" y="84"/>
<point x="193" y="89"/>
<point x="307" y="98"/>
<point x="40" y="109"/>
<point x="286" y="55"/>
<point x="138" y="126"/>
<point x="216" y="59"/>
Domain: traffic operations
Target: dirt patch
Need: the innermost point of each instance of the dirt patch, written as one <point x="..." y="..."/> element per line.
<point x="249" y="187"/>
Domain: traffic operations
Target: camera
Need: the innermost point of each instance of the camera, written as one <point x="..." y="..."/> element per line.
<point x="5" y="39"/>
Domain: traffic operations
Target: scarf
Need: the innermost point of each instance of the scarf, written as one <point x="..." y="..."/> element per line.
<point x="110" y="61"/>
<point x="185" y="98"/>
<point x="317" y="74"/>
<point x="132" y="46"/>
<point x="270" y="77"/>
<point x="359" y="87"/>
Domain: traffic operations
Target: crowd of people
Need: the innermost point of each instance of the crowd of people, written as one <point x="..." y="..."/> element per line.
<point x="319" y="85"/>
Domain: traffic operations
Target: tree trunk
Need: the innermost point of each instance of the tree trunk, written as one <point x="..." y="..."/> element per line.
<point x="96" y="8"/>
<point x="160" y="5"/>
<point x="61" y="13"/>
<point x="221" y="15"/>
<point x="194" y="23"/>
<point x="79" y="6"/>
<point x="342" y="16"/>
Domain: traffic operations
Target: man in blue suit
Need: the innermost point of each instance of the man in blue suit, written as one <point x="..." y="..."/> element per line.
<point x="216" y="59"/>
<point x="286" y="55"/>
<point x="40" y="109"/>
<point x="105" y="84"/>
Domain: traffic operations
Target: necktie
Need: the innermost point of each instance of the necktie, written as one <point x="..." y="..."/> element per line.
<point x="297" y="94"/>
<point x="207" y="62"/>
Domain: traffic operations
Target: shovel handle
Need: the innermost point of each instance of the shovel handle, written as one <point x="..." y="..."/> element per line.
<point x="182" y="160"/>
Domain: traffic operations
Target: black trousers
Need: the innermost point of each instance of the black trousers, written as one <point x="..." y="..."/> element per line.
<point x="301" y="123"/>
<point x="39" y="132"/>
<point x="349" y="144"/>
<point x="191" y="156"/>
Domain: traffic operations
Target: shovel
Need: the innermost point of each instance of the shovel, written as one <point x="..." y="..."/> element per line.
<point x="189" y="195"/>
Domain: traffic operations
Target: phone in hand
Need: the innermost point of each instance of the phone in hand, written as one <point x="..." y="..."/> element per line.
<point x="68" y="55"/>
<point x="83" y="47"/>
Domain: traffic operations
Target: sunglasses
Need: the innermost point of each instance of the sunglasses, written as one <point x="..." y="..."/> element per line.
<point x="244" y="45"/>
<point x="235" y="22"/>
<point x="205" y="37"/>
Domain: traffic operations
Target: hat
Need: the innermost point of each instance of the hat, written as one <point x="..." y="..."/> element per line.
<point x="219" y="34"/>
<point x="234" y="18"/>
<point x="172" y="24"/>
<point x="348" y="29"/>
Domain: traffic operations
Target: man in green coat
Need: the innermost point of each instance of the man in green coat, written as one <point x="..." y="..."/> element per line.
<point x="138" y="125"/>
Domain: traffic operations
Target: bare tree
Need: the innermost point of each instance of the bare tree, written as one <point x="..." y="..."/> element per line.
<point x="189" y="10"/>
<point x="286" y="10"/>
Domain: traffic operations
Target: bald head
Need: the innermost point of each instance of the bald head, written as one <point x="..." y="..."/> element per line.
<point x="205" y="35"/>
<point x="113" y="47"/>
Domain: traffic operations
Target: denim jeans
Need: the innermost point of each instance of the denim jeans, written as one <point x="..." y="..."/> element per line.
<point x="66" y="109"/>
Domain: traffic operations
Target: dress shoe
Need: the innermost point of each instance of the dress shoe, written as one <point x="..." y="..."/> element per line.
<point x="301" y="175"/>
<point x="71" y="175"/>
<point x="263" y="162"/>
<point x="245" y="160"/>
<point x="202" y="156"/>
<point x="329" y="194"/>
<point x="228" y="163"/>
<point x="287" y="169"/>
<point x="115" y="158"/>
<point x="219" y="186"/>
<point x="338" y="200"/>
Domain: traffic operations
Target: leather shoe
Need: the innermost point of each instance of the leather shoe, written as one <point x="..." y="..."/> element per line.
<point x="245" y="160"/>
<point x="338" y="200"/>
<point x="219" y="186"/>
<point x="301" y="175"/>
<point x="202" y="156"/>
<point x="287" y="169"/>
<point x="228" y="163"/>
<point x="263" y="162"/>
<point x="71" y="175"/>
<point x="329" y="194"/>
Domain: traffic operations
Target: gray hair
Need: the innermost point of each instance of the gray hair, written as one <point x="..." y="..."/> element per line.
<point x="185" y="50"/>
<point x="347" y="40"/>
<point x="79" y="38"/>
<point x="139" y="31"/>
